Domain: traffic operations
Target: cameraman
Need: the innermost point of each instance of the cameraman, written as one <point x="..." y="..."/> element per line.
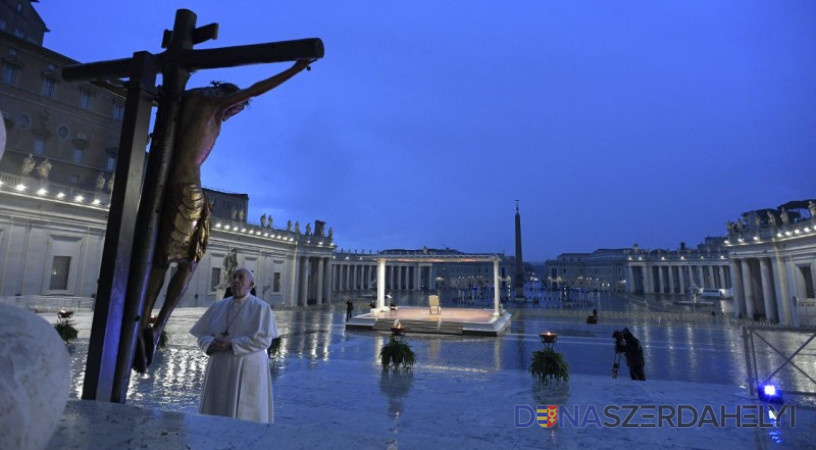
<point x="628" y="344"/>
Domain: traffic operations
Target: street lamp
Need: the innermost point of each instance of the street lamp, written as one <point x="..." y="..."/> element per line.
<point x="548" y="338"/>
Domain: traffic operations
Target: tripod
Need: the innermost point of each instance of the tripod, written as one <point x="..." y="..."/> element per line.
<point x="615" y="365"/>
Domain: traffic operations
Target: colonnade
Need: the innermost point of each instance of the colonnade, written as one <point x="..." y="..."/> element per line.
<point x="677" y="278"/>
<point x="381" y="276"/>
<point x="312" y="279"/>
<point x="761" y="289"/>
<point x="362" y="276"/>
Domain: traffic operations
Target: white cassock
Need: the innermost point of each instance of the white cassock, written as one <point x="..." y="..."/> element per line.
<point x="238" y="383"/>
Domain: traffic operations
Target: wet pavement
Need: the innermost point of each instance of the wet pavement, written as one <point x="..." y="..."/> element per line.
<point x="477" y="390"/>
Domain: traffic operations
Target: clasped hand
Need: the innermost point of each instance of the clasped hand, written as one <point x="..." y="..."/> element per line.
<point x="219" y="345"/>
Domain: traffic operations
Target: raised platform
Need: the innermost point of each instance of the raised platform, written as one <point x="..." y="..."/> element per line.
<point x="416" y="319"/>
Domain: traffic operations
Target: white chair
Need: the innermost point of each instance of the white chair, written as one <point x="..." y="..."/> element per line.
<point x="433" y="304"/>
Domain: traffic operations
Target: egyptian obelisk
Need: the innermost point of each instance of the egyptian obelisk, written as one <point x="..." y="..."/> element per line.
<point x="519" y="261"/>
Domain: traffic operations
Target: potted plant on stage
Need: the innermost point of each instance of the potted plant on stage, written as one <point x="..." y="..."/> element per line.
<point x="65" y="327"/>
<point x="396" y="354"/>
<point x="548" y="366"/>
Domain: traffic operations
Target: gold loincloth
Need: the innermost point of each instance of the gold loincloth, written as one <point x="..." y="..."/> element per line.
<point x="184" y="224"/>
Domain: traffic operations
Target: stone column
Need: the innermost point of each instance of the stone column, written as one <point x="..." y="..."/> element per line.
<point x="682" y="276"/>
<point x="736" y="287"/>
<point x="747" y="289"/>
<point x="329" y="280"/>
<point x="671" y="279"/>
<point x="722" y="277"/>
<point x="767" y="290"/>
<point x="381" y="284"/>
<point x="784" y="297"/>
<point x="304" y="281"/>
<point x="693" y="274"/>
<point x="496" y="288"/>
<point x="648" y="274"/>
<point x="660" y="279"/>
<point x="320" y="278"/>
<point x="630" y="282"/>
<point x="710" y="270"/>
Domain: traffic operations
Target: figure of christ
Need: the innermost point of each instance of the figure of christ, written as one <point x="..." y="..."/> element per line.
<point x="184" y="225"/>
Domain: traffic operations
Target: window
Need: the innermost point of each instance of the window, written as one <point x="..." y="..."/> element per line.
<point x="23" y="121"/>
<point x="2" y="25"/>
<point x="11" y="73"/>
<point x="86" y="100"/>
<point x="62" y="131"/>
<point x="74" y="179"/>
<point x="78" y="154"/>
<point x="276" y="282"/>
<point x="111" y="165"/>
<point x="48" y="87"/>
<point x="118" y="111"/>
<point x="19" y="7"/>
<point x="13" y="52"/>
<point x="215" y="278"/>
<point x="19" y="33"/>
<point x="60" y="267"/>
<point x="39" y="146"/>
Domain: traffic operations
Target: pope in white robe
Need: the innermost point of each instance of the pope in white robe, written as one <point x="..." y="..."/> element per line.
<point x="236" y="332"/>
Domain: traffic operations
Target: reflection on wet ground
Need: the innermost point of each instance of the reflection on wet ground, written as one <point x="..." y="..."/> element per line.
<point x="708" y="352"/>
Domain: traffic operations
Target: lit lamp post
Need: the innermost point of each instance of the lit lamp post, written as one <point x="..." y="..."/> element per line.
<point x="548" y="338"/>
<point x="398" y="332"/>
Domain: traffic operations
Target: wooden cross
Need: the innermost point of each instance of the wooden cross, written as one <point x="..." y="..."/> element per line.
<point x="133" y="220"/>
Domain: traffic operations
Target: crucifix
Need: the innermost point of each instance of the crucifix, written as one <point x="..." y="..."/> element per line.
<point x="187" y="123"/>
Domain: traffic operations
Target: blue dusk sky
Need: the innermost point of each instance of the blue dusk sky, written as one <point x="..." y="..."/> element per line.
<point x="612" y="122"/>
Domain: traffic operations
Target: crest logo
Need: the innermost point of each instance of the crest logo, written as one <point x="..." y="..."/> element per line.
<point x="547" y="417"/>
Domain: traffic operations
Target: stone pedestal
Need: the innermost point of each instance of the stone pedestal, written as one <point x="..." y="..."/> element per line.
<point x="34" y="379"/>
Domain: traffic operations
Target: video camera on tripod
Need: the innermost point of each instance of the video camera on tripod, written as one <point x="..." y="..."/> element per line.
<point x="620" y="347"/>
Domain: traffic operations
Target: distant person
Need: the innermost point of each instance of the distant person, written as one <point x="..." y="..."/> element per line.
<point x="235" y="333"/>
<point x="634" y="355"/>
<point x="349" y="309"/>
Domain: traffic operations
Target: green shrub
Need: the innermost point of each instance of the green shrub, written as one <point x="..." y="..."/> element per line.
<point x="549" y="366"/>
<point x="274" y="347"/>
<point x="397" y="355"/>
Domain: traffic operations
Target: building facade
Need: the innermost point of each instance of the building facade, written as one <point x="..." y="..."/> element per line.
<point x="60" y="132"/>
<point x="773" y="259"/>
<point x="634" y="270"/>
<point x="419" y="270"/>
<point x="52" y="246"/>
